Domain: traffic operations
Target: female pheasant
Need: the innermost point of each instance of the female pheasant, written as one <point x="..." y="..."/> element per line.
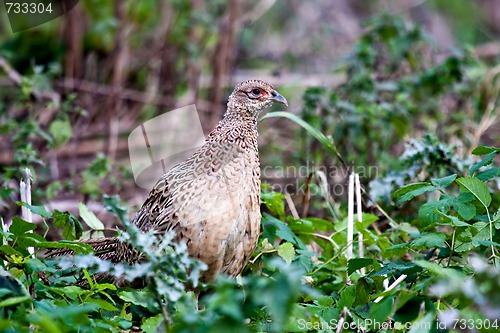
<point x="212" y="200"/>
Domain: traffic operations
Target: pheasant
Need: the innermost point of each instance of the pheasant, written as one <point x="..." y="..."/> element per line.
<point x="212" y="200"/>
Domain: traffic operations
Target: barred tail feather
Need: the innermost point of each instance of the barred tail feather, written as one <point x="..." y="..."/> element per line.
<point x="104" y="248"/>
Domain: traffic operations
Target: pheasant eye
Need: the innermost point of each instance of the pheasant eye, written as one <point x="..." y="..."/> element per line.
<point x="256" y="91"/>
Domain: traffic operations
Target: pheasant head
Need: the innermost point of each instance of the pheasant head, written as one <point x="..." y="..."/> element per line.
<point x="251" y="97"/>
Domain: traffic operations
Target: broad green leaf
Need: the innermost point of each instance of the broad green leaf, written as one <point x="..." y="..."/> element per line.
<point x="466" y="211"/>
<point x="38" y="210"/>
<point x="89" y="217"/>
<point x="488" y="174"/>
<point x="389" y="267"/>
<point x="20" y="226"/>
<point x="324" y="301"/>
<point x="362" y="292"/>
<point x="72" y="229"/>
<point x="287" y="252"/>
<point x="477" y="242"/>
<point x="14" y="300"/>
<point x="347" y="297"/>
<point x="102" y="304"/>
<point x="9" y="250"/>
<point x="410" y="191"/>
<point x="380" y="311"/>
<point x="429" y="240"/>
<point x="77" y="247"/>
<point x="443" y="182"/>
<point x="428" y="212"/>
<point x="477" y="188"/>
<point x="485" y="161"/>
<point x="151" y="324"/>
<point x="135" y="297"/>
<point x="274" y="201"/>
<point x="318" y="223"/>
<point x="357" y="263"/>
<point x="10" y="282"/>
<point x="275" y="228"/>
<point x="61" y="131"/>
<point x="439" y="270"/>
<point x="453" y="220"/>
<point x="483" y="150"/>
<point x="396" y="250"/>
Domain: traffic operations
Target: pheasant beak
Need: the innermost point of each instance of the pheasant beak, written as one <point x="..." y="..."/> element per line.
<point x="277" y="97"/>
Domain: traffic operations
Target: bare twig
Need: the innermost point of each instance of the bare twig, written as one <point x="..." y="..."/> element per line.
<point x="224" y="55"/>
<point x="290" y="203"/>
<point x="12" y="74"/>
<point x="17" y="79"/>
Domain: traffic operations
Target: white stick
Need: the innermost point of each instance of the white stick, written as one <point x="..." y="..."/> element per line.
<point x="25" y="188"/>
<point x="350" y="217"/>
<point x="360" y="219"/>
<point x="392" y="286"/>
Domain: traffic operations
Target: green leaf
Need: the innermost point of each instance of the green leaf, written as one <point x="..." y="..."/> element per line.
<point x="428" y="212"/>
<point x="77" y="247"/>
<point x="477" y="242"/>
<point x="380" y="311"/>
<point x="443" y="182"/>
<point x="347" y="297"/>
<point x="9" y="282"/>
<point x="135" y="297"/>
<point x="113" y="205"/>
<point x="20" y="226"/>
<point x="274" y="201"/>
<point x="9" y="250"/>
<point x="357" y="263"/>
<point x="72" y="229"/>
<point x="275" y="228"/>
<point x="488" y="174"/>
<point x="485" y="161"/>
<point x="477" y="188"/>
<point x="325" y="301"/>
<point x="453" y="220"/>
<point x="38" y="210"/>
<point x="89" y="217"/>
<point x="151" y="324"/>
<point x="362" y="292"/>
<point x="61" y="131"/>
<point x="466" y="211"/>
<point x="410" y="191"/>
<point x="483" y="150"/>
<point x="439" y="270"/>
<point x="14" y="300"/>
<point x="429" y="240"/>
<point x="287" y="252"/>
<point x="102" y="304"/>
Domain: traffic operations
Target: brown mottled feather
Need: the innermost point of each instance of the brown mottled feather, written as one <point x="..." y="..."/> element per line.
<point x="211" y="201"/>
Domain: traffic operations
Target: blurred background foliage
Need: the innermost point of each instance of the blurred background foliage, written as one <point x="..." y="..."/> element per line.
<point x="401" y="92"/>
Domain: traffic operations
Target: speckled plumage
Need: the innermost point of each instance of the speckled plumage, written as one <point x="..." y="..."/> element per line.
<point x="212" y="200"/>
